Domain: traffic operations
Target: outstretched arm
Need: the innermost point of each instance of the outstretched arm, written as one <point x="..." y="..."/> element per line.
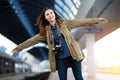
<point x="30" y="42"/>
<point x="84" y="22"/>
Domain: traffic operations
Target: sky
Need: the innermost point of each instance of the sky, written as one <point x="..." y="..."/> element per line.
<point x="107" y="50"/>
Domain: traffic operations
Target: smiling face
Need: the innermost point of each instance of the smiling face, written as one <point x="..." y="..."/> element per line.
<point x="50" y="15"/>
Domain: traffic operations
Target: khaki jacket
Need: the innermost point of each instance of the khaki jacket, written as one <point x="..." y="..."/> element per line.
<point x="71" y="43"/>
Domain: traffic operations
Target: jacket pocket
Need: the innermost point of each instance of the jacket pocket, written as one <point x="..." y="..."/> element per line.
<point x="77" y="51"/>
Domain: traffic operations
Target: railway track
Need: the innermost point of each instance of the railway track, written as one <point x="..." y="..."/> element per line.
<point x="25" y="76"/>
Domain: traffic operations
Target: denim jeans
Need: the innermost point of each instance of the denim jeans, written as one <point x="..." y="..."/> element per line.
<point x="62" y="66"/>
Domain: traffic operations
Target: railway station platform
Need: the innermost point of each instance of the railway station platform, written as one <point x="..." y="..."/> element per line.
<point x="54" y="76"/>
<point x="26" y="76"/>
<point x="99" y="76"/>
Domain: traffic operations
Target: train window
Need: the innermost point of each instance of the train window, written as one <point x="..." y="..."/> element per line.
<point x="6" y="63"/>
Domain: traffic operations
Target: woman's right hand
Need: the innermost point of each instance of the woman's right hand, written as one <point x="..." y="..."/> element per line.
<point x="14" y="50"/>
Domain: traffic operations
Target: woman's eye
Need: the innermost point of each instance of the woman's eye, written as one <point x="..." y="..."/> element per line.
<point x="47" y="14"/>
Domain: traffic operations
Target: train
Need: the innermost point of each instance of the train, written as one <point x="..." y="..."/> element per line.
<point x="9" y="64"/>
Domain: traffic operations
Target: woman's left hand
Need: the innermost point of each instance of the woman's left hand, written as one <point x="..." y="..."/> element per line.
<point x="103" y="20"/>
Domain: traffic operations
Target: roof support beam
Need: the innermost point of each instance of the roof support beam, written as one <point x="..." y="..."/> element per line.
<point x="20" y="13"/>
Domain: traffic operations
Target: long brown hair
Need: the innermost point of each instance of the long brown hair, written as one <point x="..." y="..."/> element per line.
<point x="42" y="22"/>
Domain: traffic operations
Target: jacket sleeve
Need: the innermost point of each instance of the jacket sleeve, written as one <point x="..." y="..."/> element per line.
<point x="30" y="42"/>
<point x="81" y="22"/>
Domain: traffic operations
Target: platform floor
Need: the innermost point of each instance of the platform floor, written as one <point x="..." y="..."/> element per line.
<point x="99" y="76"/>
<point x="16" y="76"/>
<point x="54" y="76"/>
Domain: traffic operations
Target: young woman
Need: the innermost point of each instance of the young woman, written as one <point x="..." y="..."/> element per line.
<point x="62" y="51"/>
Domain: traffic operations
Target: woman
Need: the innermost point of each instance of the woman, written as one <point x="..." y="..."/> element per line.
<point x="55" y="30"/>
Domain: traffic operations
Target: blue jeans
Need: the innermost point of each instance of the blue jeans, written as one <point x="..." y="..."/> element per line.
<point x="62" y="66"/>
